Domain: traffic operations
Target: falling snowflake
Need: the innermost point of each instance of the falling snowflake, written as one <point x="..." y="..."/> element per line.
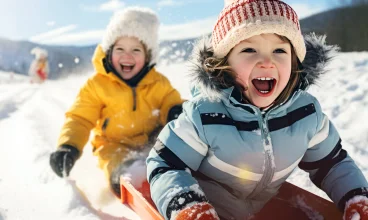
<point x="181" y="200"/>
<point x="257" y="131"/>
<point x="156" y="112"/>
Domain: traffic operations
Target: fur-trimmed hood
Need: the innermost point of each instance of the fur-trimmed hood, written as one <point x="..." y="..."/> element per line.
<point x="314" y="65"/>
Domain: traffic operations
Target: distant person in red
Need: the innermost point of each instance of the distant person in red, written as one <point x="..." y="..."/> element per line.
<point x="39" y="69"/>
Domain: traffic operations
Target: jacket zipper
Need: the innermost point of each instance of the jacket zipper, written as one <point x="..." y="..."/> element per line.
<point x="269" y="169"/>
<point x="270" y="163"/>
<point x="134" y="98"/>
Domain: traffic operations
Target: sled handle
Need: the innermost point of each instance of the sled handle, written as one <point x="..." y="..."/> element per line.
<point x="133" y="198"/>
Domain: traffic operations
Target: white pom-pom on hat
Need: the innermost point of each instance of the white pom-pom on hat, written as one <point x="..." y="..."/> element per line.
<point x="39" y="53"/>
<point x="229" y="2"/>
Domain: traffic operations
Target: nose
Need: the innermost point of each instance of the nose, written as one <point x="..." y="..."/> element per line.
<point x="265" y="62"/>
<point x="127" y="55"/>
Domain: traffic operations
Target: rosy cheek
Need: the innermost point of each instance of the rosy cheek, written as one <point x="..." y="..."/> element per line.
<point x="286" y="64"/>
<point x="242" y="72"/>
<point x="285" y="71"/>
<point x="115" y="62"/>
<point x="237" y="68"/>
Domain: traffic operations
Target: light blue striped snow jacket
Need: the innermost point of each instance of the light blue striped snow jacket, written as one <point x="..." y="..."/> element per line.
<point x="236" y="157"/>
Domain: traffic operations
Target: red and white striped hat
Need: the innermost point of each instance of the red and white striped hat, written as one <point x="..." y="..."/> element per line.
<point x="242" y="19"/>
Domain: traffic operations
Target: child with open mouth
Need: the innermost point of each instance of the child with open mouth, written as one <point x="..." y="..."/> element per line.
<point x="125" y="103"/>
<point x="251" y="122"/>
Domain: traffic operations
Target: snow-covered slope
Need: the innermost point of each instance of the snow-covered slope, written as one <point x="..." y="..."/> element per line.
<point x="31" y="117"/>
<point x="11" y="77"/>
<point x="343" y="94"/>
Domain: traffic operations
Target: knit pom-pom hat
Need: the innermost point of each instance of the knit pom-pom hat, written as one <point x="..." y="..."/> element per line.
<point x="138" y="22"/>
<point x="242" y="19"/>
<point x="39" y="53"/>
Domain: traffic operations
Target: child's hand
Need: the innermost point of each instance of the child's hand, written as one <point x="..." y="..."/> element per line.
<point x="63" y="159"/>
<point x="356" y="208"/>
<point x="199" y="211"/>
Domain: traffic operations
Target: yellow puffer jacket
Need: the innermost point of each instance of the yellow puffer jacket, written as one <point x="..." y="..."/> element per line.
<point x="121" y="117"/>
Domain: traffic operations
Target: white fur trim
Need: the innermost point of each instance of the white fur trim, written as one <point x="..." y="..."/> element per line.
<point x="141" y="23"/>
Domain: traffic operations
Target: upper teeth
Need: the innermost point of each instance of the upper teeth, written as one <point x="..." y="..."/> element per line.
<point x="126" y="64"/>
<point x="264" y="78"/>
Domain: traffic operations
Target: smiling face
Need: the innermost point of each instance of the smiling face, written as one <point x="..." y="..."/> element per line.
<point x="128" y="57"/>
<point x="262" y="64"/>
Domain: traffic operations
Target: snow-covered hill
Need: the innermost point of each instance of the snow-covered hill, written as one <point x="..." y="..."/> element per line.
<point x="31" y="117"/>
<point x="15" y="56"/>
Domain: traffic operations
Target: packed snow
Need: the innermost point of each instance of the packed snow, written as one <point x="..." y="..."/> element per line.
<point x="31" y="116"/>
<point x="309" y="211"/>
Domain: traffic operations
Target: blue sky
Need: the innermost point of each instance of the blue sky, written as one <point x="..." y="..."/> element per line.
<point x="82" y="22"/>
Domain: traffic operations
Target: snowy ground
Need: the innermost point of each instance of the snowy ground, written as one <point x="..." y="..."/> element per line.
<point x="31" y="117"/>
<point x="11" y="78"/>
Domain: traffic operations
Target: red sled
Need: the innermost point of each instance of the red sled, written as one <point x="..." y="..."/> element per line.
<point x="291" y="202"/>
<point x="144" y="208"/>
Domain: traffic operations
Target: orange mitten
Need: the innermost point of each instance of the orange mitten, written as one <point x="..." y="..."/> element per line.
<point x="356" y="208"/>
<point x="199" y="211"/>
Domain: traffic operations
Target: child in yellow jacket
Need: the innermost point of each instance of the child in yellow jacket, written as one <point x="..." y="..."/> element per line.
<point x="125" y="103"/>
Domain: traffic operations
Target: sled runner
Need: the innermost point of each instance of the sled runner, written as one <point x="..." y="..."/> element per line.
<point x="84" y="200"/>
<point x="291" y="202"/>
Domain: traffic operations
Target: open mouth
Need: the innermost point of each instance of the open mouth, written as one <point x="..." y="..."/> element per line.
<point x="127" y="67"/>
<point x="264" y="85"/>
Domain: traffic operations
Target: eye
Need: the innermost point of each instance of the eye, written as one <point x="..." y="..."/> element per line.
<point x="119" y="49"/>
<point x="279" y="51"/>
<point x="137" y="50"/>
<point x="248" y="50"/>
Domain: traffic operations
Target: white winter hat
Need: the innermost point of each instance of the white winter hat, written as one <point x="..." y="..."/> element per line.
<point x="242" y="19"/>
<point x="138" y="22"/>
<point x="39" y="52"/>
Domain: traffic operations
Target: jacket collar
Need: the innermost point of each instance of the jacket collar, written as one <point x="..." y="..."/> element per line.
<point x="231" y="97"/>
